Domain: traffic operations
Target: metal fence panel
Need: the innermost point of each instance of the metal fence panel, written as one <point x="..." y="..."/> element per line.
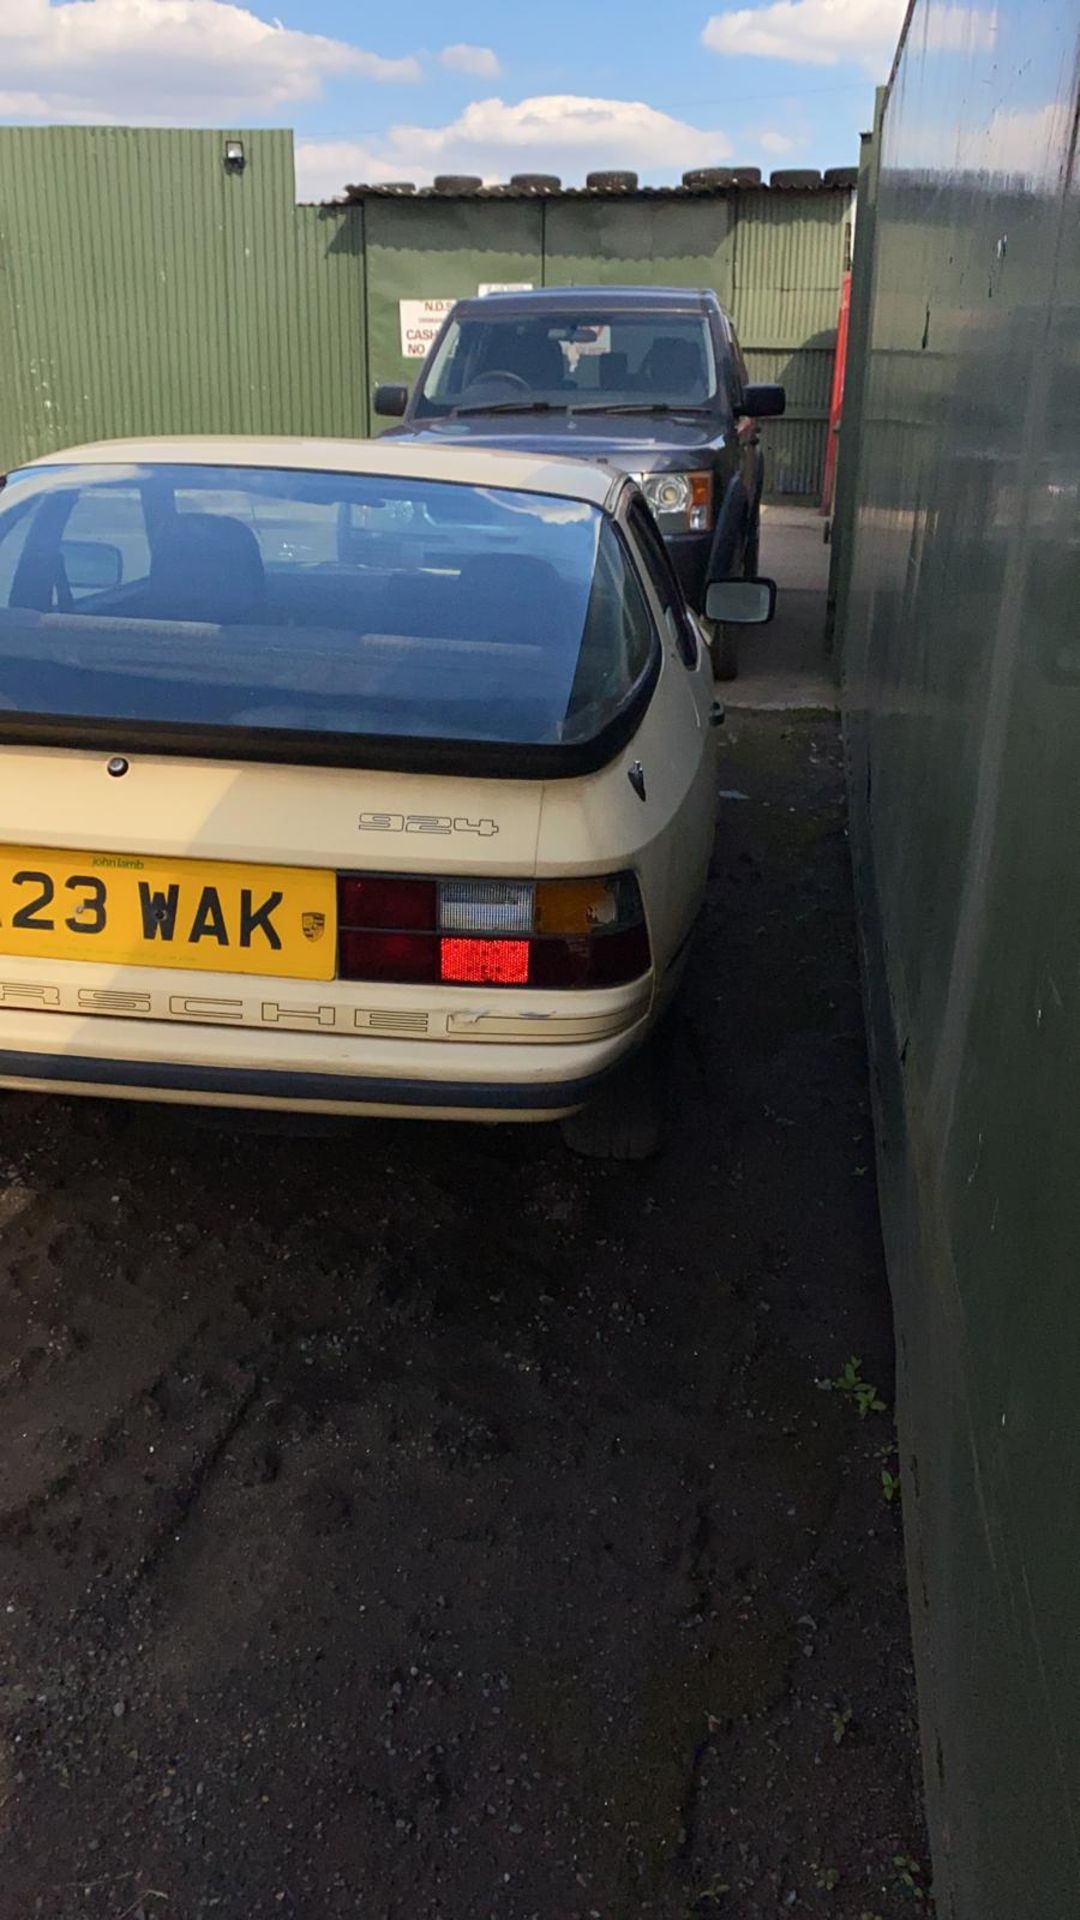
<point x="150" y="291"/>
<point x="962" y="673"/>
<point x="105" y="257"/>
<point x="326" y="347"/>
<point x="440" y="250"/>
<point x="791" y="253"/>
<point x="652" y="241"/>
<point x="794" y="447"/>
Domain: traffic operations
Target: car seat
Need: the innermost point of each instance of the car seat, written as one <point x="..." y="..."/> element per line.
<point x="673" y="369"/>
<point x="205" y="566"/>
<point x="533" y="356"/>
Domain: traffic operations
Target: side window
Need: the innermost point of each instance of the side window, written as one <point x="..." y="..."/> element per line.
<point x="112" y="520"/>
<point x="13" y="534"/>
<point x="619" y="635"/>
<point x="650" y="545"/>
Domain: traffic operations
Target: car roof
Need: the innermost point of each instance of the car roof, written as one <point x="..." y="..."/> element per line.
<point x="386" y="458"/>
<point x="567" y="299"/>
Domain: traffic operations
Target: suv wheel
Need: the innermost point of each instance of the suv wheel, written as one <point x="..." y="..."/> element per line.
<point x="725" y="652"/>
<point x="752" y="558"/>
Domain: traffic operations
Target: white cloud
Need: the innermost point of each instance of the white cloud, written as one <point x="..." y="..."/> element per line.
<point x="480" y="61"/>
<point x="817" y="33"/>
<point x="325" y="167"/>
<point x="149" y="60"/>
<point x="773" y="142"/>
<point x="567" y="134"/>
<point x="823" y="33"/>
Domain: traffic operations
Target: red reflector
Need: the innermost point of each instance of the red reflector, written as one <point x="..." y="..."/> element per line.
<point x="374" y="901"/>
<point x="497" y="963"/>
<point x="409" y="957"/>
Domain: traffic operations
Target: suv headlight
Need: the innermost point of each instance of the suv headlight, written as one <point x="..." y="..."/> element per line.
<point x="682" y="502"/>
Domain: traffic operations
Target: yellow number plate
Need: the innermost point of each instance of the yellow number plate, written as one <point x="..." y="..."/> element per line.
<point x="144" y="912"/>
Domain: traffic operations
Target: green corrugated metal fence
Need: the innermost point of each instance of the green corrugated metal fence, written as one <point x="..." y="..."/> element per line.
<point x="958" y="587"/>
<point x="145" y="289"/>
<point x="428" y="249"/>
<point x="792" y="250"/>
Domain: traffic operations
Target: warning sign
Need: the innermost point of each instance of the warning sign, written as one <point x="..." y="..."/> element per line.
<point x="420" y="322"/>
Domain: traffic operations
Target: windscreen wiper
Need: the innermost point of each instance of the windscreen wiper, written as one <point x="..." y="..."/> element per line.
<point x="637" y="406"/>
<point x="510" y="406"/>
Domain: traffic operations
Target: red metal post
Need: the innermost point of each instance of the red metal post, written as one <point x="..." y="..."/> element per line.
<point x="836" y="398"/>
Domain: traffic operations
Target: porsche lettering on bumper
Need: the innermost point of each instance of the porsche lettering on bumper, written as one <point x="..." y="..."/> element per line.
<point x="328" y="1016"/>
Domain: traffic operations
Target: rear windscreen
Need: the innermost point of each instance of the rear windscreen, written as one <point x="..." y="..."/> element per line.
<point x="247" y="598"/>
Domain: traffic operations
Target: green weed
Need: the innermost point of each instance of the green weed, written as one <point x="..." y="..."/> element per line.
<point x="909" y="1875"/>
<point x="860" y="1392"/>
<point x="711" y="1896"/>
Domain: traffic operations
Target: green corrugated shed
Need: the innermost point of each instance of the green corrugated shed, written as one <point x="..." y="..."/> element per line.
<point x="775" y="258"/>
<point x="421" y="248"/>
<point x="144" y="288"/>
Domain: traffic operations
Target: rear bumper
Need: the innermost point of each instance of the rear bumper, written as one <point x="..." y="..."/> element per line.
<point x="146" y="1060"/>
<point x="240" y="1086"/>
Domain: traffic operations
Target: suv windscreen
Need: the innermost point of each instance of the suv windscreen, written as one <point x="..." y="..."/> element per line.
<point x="610" y="358"/>
<point x="338" y="603"/>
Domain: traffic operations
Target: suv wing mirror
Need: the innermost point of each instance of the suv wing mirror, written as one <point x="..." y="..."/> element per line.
<point x="763" y="402"/>
<point x="390" y="401"/>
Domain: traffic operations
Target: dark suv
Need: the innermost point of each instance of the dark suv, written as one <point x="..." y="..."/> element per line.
<point x="649" y="379"/>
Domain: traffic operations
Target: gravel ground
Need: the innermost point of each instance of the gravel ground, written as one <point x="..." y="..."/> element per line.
<point x="417" y="1521"/>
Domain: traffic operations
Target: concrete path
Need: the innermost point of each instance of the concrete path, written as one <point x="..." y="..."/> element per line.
<point x="785" y="665"/>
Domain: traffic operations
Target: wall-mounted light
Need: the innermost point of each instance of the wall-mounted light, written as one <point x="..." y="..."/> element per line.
<point x="234" y="156"/>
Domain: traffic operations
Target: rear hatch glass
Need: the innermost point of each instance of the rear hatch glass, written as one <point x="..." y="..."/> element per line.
<point x="239" y="601"/>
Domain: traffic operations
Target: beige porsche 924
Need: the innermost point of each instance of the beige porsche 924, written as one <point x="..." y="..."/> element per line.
<point x="343" y="777"/>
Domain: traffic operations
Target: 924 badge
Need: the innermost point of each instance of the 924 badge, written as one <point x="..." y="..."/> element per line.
<point x="434" y="823"/>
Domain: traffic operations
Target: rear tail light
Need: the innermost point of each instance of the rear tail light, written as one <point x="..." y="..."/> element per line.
<point x="492" y="933"/>
<point x="376" y="901"/>
<point x="486" y="906"/>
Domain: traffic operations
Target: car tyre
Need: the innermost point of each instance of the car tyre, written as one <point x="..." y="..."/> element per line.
<point x="752" y="558"/>
<point x="626" y="1119"/>
<point x="725" y="652"/>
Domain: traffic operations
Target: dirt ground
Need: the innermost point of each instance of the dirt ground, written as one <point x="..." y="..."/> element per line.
<point x="417" y="1521"/>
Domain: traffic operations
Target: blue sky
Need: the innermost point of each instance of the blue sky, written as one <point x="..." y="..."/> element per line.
<point x="484" y="86"/>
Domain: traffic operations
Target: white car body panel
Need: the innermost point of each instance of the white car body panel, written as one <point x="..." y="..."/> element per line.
<point x="359" y="1046"/>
